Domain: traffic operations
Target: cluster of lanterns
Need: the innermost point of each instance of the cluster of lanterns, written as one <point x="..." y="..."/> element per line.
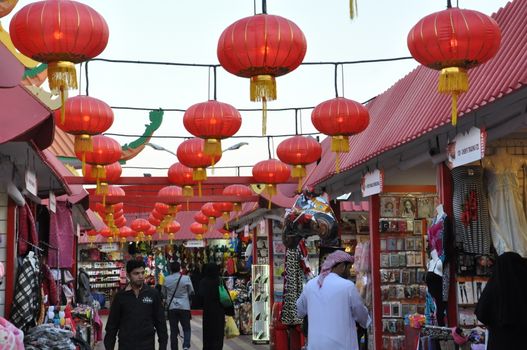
<point x="261" y="48"/>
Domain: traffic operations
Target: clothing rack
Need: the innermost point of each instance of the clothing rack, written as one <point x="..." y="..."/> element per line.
<point x="31" y="244"/>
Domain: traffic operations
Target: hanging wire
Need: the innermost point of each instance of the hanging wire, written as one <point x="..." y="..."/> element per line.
<point x="80" y="78"/>
<point x="87" y="78"/>
<point x="342" y="74"/>
<point x="448" y="4"/>
<point x="336" y="86"/>
<point x="272" y="147"/>
<point x="300" y="117"/>
<point x="215" y="76"/>
<point x="208" y="85"/>
<point x="264" y="7"/>
<point x="254" y="7"/>
<point x="296" y="121"/>
<point x="269" y="146"/>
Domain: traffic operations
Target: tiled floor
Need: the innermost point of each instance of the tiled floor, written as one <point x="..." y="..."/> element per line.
<point x="243" y="342"/>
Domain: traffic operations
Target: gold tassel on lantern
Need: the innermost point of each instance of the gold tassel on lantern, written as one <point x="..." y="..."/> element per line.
<point x="226" y="217"/>
<point x="199" y="175"/>
<point x="102" y="188"/>
<point x="62" y="76"/>
<point x="454" y="81"/>
<point x="340" y="144"/>
<point x="212" y="222"/>
<point x="299" y="171"/>
<point x="270" y="189"/>
<point x="353" y="9"/>
<point x="199" y="237"/>
<point x="83" y="143"/>
<point x="212" y="147"/>
<point x="263" y="88"/>
<point x="188" y="191"/>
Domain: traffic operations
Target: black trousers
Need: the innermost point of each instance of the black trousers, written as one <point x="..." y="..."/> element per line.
<point x="175" y="317"/>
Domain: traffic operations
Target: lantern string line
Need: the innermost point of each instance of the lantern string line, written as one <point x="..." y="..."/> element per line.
<point x="231" y="137"/>
<point x="342" y="79"/>
<point x="335" y="78"/>
<point x="269" y="146"/>
<point x="87" y="78"/>
<point x="208" y="85"/>
<point x="296" y="122"/>
<point x="264" y="7"/>
<point x="300" y="124"/>
<point x="215" y="76"/>
<point x="448" y="4"/>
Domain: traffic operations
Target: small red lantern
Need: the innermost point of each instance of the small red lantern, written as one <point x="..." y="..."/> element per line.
<point x="124" y="233"/>
<point x="299" y="151"/>
<point x="105" y="151"/>
<point x="452" y="41"/>
<point x="262" y="47"/>
<point x="59" y="33"/>
<point x="237" y="190"/>
<point x="225" y="209"/>
<point x="271" y="172"/>
<point x="112" y="173"/>
<point x="202" y="219"/>
<point x="150" y="232"/>
<point x="120" y="221"/>
<point x="169" y="195"/>
<point x="172" y="228"/>
<point x="212" y="121"/>
<point x="92" y="235"/>
<point x="211" y="213"/>
<point x="181" y="175"/>
<point x="153" y="220"/>
<point x="340" y="118"/>
<point x="198" y="229"/>
<point x="190" y="153"/>
<point x="115" y="195"/>
<point x="140" y="226"/>
<point x="106" y="233"/>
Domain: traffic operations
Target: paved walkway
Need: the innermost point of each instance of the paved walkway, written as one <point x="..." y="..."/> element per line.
<point x="243" y="342"/>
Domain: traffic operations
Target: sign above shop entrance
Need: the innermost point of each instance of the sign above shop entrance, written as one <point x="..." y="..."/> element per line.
<point x="467" y="147"/>
<point x="372" y="183"/>
<point x="195" y="244"/>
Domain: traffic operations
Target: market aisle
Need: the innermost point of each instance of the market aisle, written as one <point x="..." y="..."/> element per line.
<point x="242" y="342"/>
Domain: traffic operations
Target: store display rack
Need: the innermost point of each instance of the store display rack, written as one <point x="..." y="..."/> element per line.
<point x="261" y="301"/>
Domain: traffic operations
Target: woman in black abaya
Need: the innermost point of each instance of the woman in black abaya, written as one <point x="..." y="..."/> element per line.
<point x="502" y="306"/>
<point x="213" y="311"/>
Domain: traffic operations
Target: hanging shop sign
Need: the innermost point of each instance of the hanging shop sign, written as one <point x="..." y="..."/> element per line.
<point x="52" y="202"/>
<point x="246" y="231"/>
<point x="467" y="147"/>
<point x="31" y="182"/>
<point x="372" y="183"/>
<point x="195" y="243"/>
<point x="261" y="231"/>
<point x="109" y="247"/>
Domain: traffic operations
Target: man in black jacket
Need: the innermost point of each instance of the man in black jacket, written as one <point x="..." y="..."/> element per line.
<point x="136" y="314"/>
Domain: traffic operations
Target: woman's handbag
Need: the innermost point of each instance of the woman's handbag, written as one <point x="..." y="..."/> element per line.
<point x="231" y="329"/>
<point x="225" y="298"/>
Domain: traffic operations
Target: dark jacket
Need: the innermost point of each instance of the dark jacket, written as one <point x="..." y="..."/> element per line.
<point x="136" y="319"/>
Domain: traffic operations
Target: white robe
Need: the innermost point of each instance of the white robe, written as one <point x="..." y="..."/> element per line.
<point x="332" y="311"/>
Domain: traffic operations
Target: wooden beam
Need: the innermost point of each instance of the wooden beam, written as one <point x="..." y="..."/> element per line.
<point x="163" y="180"/>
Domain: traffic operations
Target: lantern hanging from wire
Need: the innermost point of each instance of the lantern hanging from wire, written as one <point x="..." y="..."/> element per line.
<point x="212" y="121"/>
<point x="197" y="229"/>
<point x="140" y="226"/>
<point x="60" y="33"/>
<point x="106" y="233"/>
<point x="299" y="151"/>
<point x="225" y="209"/>
<point x="168" y="195"/>
<point x="340" y="118"/>
<point x="172" y="228"/>
<point x="453" y="41"/>
<point x="181" y="175"/>
<point x="271" y="172"/>
<point x="209" y="210"/>
<point x="262" y="47"/>
<point x="105" y="151"/>
<point x="150" y="233"/>
<point x="202" y="219"/>
<point x="92" y="236"/>
<point x="239" y="191"/>
<point x="190" y="153"/>
<point x="115" y="195"/>
<point x="124" y="233"/>
<point x="111" y="173"/>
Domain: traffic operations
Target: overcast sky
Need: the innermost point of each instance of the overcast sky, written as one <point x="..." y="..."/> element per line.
<point x="188" y="31"/>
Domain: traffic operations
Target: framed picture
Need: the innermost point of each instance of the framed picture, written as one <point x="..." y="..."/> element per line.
<point x="418" y="227"/>
<point x="402" y="259"/>
<point x="410" y="259"/>
<point x="388" y="207"/>
<point x="425" y="207"/>
<point x="383" y="245"/>
<point x="418" y="243"/>
<point x="394" y="259"/>
<point x="396" y="309"/>
<point x="392" y="244"/>
<point x="408" y="207"/>
<point x="278" y="247"/>
<point x="409" y="226"/>
<point x="386" y="310"/>
<point x="400" y="244"/>
<point x="418" y="260"/>
<point x="410" y="243"/>
<point x="385" y="260"/>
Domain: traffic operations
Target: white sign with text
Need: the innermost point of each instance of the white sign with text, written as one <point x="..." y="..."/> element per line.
<point x="372" y="183"/>
<point x="31" y="182"/>
<point x="467" y="147"/>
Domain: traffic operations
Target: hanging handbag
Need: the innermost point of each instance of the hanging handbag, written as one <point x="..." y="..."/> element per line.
<point x="225" y="298"/>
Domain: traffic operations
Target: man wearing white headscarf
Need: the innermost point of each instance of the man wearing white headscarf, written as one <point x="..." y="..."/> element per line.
<point x="333" y="305"/>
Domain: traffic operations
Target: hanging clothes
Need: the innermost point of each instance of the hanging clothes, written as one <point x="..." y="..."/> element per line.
<point x="61" y="236"/>
<point x="27" y="231"/>
<point x="50" y="285"/>
<point x="471" y="214"/>
<point x="27" y="291"/>
<point x="508" y="224"/>
<point x="293" y="279"/>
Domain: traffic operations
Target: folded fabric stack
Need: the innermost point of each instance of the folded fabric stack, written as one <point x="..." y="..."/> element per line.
<point x="48" y="337"/>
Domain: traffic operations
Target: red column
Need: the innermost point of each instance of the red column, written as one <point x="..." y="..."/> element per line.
<point x="375" y="270"/>
<point x="445" y="192"/>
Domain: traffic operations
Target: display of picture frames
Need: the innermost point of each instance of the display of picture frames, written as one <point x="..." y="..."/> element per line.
<point x="409" y="206"/>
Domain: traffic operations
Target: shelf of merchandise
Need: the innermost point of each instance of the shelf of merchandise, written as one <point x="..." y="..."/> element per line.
<point x="104" y="275"/>
<point x="261" y="299"/>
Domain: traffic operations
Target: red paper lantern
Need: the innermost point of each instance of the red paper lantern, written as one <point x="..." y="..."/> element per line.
<point x="59" y="33"/>
<point x="169" y="195"/>
<point x="106" y="233"/>
<point x="299" y="151"/>
<point x="225" y="209"/>
<point x="262" y="47"/>
<point x="172" y="228"/>
<point x="340" y="118"/>
<point x="120" y="221"/>
<point x="124" y="233"/>
<point x="112" y="173"/>
<point x="271" y="172"/>
<point x="211" y="213"/>
<point x="181" y="175"/>
<point x="140" y="226"/>
<point x="212" y="121"/>
<point x="237" y="190"/>
<point x="92" y="235"/>
<point x="150" y="232"/>
<point x="115" y="195"/>
<point x="105" y="151"/>
<point x="190" y="153"/>
<point x="198" y="229"/>
<point x="202" y="219"/>
<point x="452" y="41"/>
<point x="154" y="220"/>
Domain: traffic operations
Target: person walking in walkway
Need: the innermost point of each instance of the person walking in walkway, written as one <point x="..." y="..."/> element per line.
<point x="213" y="311"/>
<point x="177" y="291"/>
<point x="502" y="306"/>
<point x="136" y="314"/>
<point x="333" y="305"/>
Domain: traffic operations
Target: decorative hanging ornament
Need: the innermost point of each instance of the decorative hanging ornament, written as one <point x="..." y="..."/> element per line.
<point x="92" y="236"/>
<point x="239" y="191"/>
<point x="106" y="233"/>
<point x="169" y="196"/>
<point x="105" y="151"/>
<point x="190" y="153"/>
<point x="225" y="209"/>
<point x="140" y="226"/>
<point x="6" y="6"/>
<point x="115" y="195"/>
<point x="198" y="229"/>
<point x="112" y="173"/>
<point x="124" y="233"/>
<point x="340" y="118"/>
<point x="209" y="210"/>
<point x="202" y="219"/>
<point x="453" y="41"/>
<point x="172" y="228"/>
<point x="298" y="151"/>
<point x="181" y="175"/>
<point x="60" y="33"/>
<point x="212" y="121"/>
<point x="262" y="47"/>
<point x="150" y="233"/>
<point x="271" y="172"/>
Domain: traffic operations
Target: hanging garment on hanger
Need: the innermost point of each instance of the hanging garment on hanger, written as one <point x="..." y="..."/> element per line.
<point x="293" y="279"/>
<point x="61" y="236"/>
<point x="26" y="297"/>
<point x="508" y="224"/>
<point x="27" y="231"/>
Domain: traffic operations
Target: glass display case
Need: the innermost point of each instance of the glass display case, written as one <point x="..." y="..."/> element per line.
<point x="261" y="303"/>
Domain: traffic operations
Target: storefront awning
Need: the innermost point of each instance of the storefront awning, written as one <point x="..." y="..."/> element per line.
<point x="412" y="108"/>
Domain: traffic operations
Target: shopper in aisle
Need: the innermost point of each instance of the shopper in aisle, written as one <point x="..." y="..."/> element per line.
<point x="333" y="305"/>
<point x="213" y="311"/>
<point x="136" y="314"/>
<point x="178" y="291"/>
<point x="502" y="306"/>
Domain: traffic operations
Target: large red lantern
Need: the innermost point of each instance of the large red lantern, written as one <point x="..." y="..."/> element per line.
<point x="239" y="191"/>
<point x="140" y="226"/>
<point x="202" y="219"/>
<point x="299" y="151"/>
<point x="212" y="121"/>
<point x="190" y="153"/>
<point x="105" y="151"/>
<point x="452" y="41"/>
<point x="181" y="175"/>
<point x="198" y="229"/>
<point x="169" y="195"/>
<point x="112" y="173"/>
<point x="271" y="172"/>
<point x="209" y="210"/>
<point x="59" y="33"/>
<point x="262" y="47"/>
<point x="115" y="195"/>
<point x="340" y="118"/>
<point x="225" y="209"/>
<point x="172" y="228"/>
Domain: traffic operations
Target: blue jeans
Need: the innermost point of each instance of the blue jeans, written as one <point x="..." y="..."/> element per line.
<point x="175" y="317"/>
